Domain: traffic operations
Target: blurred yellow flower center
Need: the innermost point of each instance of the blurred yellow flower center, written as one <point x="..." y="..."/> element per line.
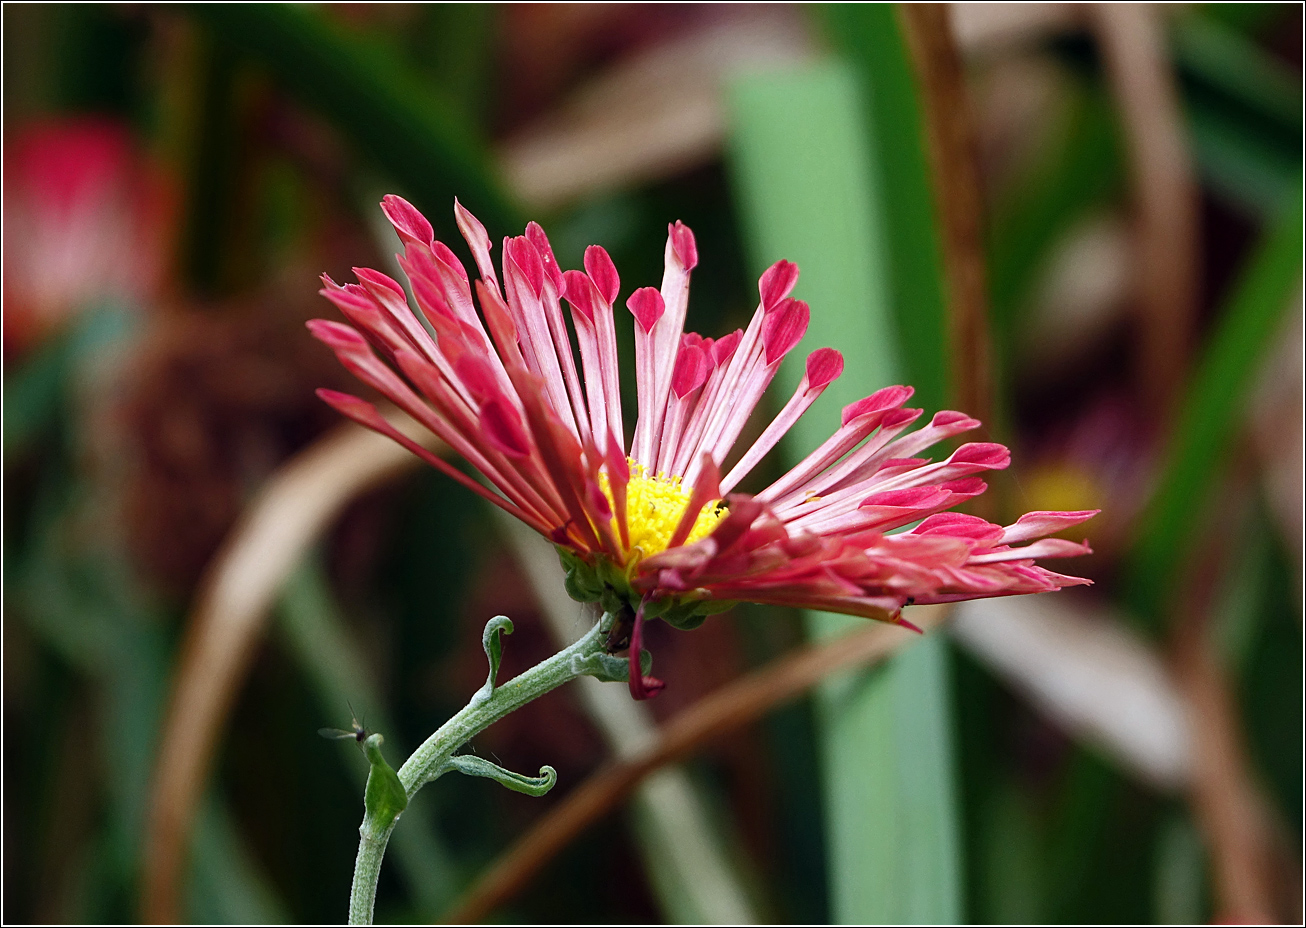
<point x="654" y="507"/>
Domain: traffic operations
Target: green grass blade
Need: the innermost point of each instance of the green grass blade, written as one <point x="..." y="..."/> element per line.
<point x="802" y="167"/>
<point x="871" y="40"/>
<point x="418" y="140"/>
<point x="318" y="637"/>
<point x="1210" y="420"/>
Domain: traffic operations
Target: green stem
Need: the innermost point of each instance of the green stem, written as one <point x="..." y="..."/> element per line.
<point x="432" y="759"/>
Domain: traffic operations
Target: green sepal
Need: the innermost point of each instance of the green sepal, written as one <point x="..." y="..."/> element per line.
<point x="384" y="797"/>
<point x="690" y="615"/>
<point x="492" y="641"/>
<point x="580" y="579"/>
<point x="609" y="668"/>
<point x="606" y="667"/>
<point x="474" y="766"/>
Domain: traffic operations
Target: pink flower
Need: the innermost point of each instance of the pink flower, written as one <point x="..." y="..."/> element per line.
<point x="86" y="218"/>
<point x="652" y="528"/>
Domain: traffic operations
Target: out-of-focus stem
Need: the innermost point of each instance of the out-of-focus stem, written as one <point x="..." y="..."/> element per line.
<point x="690" y="868"/>
<point x="1165" y="195"/>
<point x="430" y="760"/>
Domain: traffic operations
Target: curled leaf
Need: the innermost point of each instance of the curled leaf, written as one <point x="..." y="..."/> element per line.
<point x="493" y="644"/>
<point x="474" y="766"/>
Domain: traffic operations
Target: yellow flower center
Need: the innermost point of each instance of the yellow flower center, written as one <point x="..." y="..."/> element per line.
<point x="654" y="507"/>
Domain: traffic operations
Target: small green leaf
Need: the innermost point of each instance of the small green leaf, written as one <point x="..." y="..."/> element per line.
<point x="385" y="796"/>
<point x="474" y="766"/>
<point x="493" y="643"/>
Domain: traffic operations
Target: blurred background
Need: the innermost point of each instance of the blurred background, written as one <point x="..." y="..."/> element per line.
<point x="1081" y="224"/>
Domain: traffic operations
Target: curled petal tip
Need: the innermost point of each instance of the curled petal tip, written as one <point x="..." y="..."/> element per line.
<point x="682" y="243"/>
<point x="777" y="283"/>
<point x="824" y="365"/>
<point x="598" y="264"/>
<point x="899" y="620"/>
<point x="647" y="306"/>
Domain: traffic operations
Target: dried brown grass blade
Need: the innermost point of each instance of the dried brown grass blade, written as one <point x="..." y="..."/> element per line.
<point x="949" y="124"/>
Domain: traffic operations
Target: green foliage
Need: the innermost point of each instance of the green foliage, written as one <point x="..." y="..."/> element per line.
<point x="804" y="156"/>
<point x="418" y="140"/>
<point x="1213" y="409"/>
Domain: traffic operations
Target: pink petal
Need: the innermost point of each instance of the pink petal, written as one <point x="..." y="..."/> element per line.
<point x="824" y="365"/>
<point x="682" y="243"/>
<point x="886" y="398"/>
<point x="777" y="283"/>
<point x="478" y="241"/>
<point x="603" y="272"/>
<point x="783" y="328"/>
<point x="407" y="220"/>
<point x="541" y="243"/>
<point x="647" y="306"/>
<point x="1037" y="524"/>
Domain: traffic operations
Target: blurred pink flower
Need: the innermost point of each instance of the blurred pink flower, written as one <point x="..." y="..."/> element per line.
<point x="653" y="526"/>
<point x="85" y="219"/>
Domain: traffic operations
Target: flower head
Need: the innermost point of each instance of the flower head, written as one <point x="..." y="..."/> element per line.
<point x="652" y="528"/>
<point x="86" y="218"/>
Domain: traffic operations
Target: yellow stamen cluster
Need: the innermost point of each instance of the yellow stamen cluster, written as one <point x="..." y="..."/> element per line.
<point x="654" y="507"/>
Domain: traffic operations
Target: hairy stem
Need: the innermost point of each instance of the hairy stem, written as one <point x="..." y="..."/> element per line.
<point x="432" y="759"/>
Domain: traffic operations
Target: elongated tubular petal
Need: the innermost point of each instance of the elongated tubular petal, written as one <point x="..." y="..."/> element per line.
<point x="823" y="366"/>
<point x="562" y="344"/>
<point x="1047" y="547"/>
<point x="365" y="414"/>
<point x="859" y="420"/>
<point x="582" y="319"/>
<point x="969" y="459"/>
<point x="618" y="477"/>
<point x="679" y="257"/>
<point x="521" y="480"/>
<point x="550" y="297"/>
<point x="835" y="484"/>
<point x="693" y="365"/>
<point x="362" y="308"/>
<point x="1037" y="524"/>
<point x="945" y="424"/>
<point x="881" y="511"/>
<point x="392" y="298"/>
<point x="691" y="436"/>
<point x="523" y="273"/>
<point x="479" y="242"/>
<point x="716" y="403"/>
<point x="597" y="504"/>
<point x="647" y="306"/>
<point x="354" y="353"/>
<point x="445" y="290"/>
<point x="706" y="490"/>
<point x="781" y="331"/>
<point x="603" y="274"/>
<point x="561" y="455"/>
<point x="442" y="294"/>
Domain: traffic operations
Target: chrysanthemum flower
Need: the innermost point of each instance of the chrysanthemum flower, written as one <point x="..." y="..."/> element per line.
<point x="652" y="527"/>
